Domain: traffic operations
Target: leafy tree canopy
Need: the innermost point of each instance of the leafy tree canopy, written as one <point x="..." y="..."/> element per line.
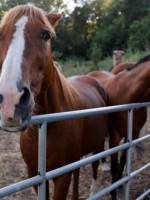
<point x="96" y="27"/>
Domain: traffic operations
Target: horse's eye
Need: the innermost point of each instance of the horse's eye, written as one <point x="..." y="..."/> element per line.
<point x="46" y="35"/>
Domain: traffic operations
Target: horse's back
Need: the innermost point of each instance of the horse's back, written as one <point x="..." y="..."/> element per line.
<point x="90" y="91"/>
<point x="93" y="95"/>
<point x="102" y="76"/>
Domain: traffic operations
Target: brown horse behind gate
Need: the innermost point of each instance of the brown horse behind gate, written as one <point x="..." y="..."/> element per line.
<point x="31" y="84"/>
<point x="129" y="84"/>
<point x="141" y="113"/>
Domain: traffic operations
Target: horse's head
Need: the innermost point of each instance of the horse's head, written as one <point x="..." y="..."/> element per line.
<point x="26" y="62"/>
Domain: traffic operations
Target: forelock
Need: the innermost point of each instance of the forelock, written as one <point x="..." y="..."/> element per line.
<point x="32" y="12"/>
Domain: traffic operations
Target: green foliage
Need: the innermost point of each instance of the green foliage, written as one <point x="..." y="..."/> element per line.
<point x="114" y="33"/>
<point x="131" y="56"/>
<point x="63" y="41"/>
<point x="46" y="5"/>
<point x="7" y="4"/>
<point x="135" y="10"/>
<point x="105" y="64"/>
<point x="105" y="41"/>
<point x="80" y="30"/>
<point x="75" y="66"/>
<point x="95" y="53"/>
<point x="139" y="36"/>
<point x="96" y="28"/>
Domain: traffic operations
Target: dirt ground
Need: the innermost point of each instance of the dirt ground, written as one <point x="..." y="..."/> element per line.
<point x="13" y="169"/>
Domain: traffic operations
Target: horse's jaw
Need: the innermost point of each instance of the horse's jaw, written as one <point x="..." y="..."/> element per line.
<point x="15" y="128"/>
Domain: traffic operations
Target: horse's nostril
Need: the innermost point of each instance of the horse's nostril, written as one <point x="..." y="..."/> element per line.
<point x="25" y="97"/>
<point x="10" y="119"/>
<point x="1" y="98"/>
<point x="24" y="100"/>
<point x="14" y="122"/>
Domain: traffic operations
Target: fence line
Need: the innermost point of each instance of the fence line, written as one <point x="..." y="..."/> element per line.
<point x="39" y="119"/>
<point x="43" y="175"/>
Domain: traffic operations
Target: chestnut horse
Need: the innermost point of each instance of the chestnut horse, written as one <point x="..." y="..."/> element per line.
<point x="31" y="84"/>
<point x="128" y="84"/>
<point x="120" y="67"/>
<point x="142" y="113"/>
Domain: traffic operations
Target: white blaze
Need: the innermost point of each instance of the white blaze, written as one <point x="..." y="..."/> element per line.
<point x="11" y="72"/>
<point x="11" y="68"/>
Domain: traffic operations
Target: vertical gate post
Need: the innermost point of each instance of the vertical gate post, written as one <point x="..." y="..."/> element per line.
<point x="42" y="160"/>
<point x="129" y="152"/>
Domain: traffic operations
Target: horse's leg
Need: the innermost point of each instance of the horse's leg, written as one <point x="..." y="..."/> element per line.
<point x="32" y="173"/>
<point x="122" y="163"/>
<point x="114" y="141"/>
<point x="94" y="171"/>
<point x="105" y="165"/>
<point x="124" y="155"/>
<point x="61" y="186"/>
<point x="75" y="194"/>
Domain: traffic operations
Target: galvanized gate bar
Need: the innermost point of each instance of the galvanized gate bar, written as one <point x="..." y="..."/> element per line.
<point x="39" y="119"/>
<point x="42" y="160"/>
<point x="120" y="182"/>
<point x="54" y="173"/>
<point x="136" y="141"/>
<point x="138" y="171"/>
<point x="143" y="195"/>
<point x="85" y="161"/>
<point x="109" y="188"/>
<point x="70" y="115"/>
<point x="16" y="187"/>
<point x="38" y="179"/>
<point x="129" y="153"/>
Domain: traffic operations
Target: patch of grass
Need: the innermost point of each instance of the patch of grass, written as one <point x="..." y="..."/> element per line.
<point x="74" y="66"/>
<point x="105" y="64"/>
<point x="77" y="66"/>
<point x="134" y="56"/>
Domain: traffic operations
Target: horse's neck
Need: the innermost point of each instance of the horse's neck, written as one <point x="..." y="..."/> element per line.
<point x="133" y="85"/>
<point x="118" y="68"/>
<point x="140" y="77"/>
<point x="47" y="101"/>
<point x="53" y="99"/>
<point x="143" y="81"/>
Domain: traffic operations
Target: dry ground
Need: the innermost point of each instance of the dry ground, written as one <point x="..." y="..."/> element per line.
<point x="13" y="169"/>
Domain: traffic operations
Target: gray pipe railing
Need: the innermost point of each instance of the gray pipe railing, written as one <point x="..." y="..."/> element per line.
<point x="42" y="176"/>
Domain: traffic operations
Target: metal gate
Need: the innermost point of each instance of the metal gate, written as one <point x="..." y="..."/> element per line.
<point x="42" y="176"/>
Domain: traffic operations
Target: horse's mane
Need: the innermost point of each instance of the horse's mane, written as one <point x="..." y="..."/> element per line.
<point x="142" y="60"/>
<point x="17" y="12"/>
<point x="70" y="93"/>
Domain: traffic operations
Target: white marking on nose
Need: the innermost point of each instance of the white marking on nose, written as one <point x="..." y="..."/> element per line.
<point x="11" y="72"/>
<point x="11" y="68"/>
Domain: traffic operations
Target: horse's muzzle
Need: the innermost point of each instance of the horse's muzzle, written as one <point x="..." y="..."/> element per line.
<point x="16" y="112"/>
<point x="23" y="126"/>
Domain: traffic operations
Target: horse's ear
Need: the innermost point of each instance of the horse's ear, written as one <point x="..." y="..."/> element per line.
<point x="54" y="18"/>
